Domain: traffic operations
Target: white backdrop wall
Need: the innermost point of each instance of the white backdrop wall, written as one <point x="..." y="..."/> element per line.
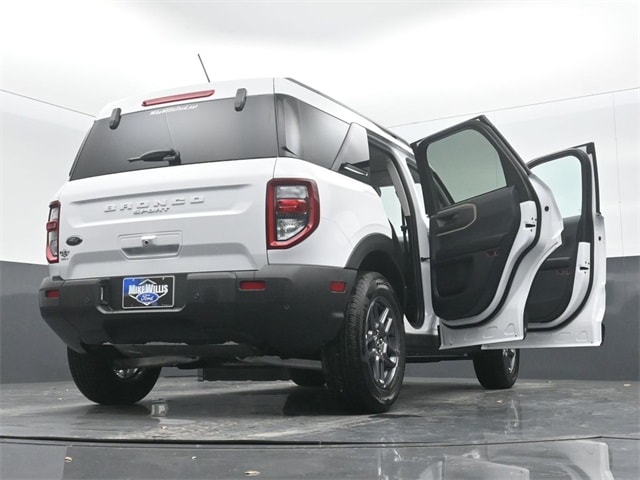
<point x="37" y="146"/>
<point x="395" y="61"/>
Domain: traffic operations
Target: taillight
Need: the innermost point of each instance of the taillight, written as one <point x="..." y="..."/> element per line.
<point x="293" y="211"/>
<point x="53" y="229"/>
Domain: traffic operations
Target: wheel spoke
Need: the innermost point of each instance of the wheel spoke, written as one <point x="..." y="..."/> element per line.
<point x="126" y="373"/>
<point x="375" y="366"/>
<point x="371" y="354"/>
<point x="388" y="361"/>
<point x="509" y="359"/>
<point x="381" y="371"/>
<point x="369" y="337"/>
<point x="386" y="321"/>
<point x="392" y="351"/>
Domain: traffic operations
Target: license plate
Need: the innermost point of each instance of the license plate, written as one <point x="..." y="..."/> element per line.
<point x="148" y="292"/>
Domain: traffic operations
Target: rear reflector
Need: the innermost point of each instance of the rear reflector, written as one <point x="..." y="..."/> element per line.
<point x="338" y="287"/>
<point x="177" y="98"/>
<point x="253" y="285"/>
<point x="52" y="293"/>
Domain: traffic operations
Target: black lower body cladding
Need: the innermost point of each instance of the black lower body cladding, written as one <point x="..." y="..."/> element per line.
<point x="295" y="313"/>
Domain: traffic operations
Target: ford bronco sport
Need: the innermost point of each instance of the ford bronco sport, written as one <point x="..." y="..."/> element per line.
<point x="260" y="219"/>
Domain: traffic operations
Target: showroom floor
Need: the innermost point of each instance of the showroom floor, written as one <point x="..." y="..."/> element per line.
<point x="438" y="429"/>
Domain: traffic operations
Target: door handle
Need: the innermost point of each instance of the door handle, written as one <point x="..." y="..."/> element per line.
<point x="448" y="218"/>
<point x="455" y="219"/>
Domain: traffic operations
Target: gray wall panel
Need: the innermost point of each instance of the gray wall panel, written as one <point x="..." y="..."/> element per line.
<point x="31" y="352"/>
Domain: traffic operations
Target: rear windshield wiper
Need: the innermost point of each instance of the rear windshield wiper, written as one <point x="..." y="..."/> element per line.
<point x="172" y="156"/>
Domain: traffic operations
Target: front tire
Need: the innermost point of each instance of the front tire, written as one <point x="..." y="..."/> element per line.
<point x="365" y="363"/>
<point x="96" y="378"/>
<point x="497" y="369"/>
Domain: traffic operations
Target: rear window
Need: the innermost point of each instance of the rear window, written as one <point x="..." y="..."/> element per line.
<point x="201" y="132"/>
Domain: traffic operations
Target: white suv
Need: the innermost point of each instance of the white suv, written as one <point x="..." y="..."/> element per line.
<point x="261" y="219"/>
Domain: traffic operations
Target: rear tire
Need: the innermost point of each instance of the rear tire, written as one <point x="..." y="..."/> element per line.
<point x="497" y="369"/>
<point x="307" y="378"/>
<point x="96" y="378"/>
<point x="364" y="364"/>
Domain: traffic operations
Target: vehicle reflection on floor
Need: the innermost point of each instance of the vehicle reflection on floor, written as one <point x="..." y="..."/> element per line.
<point x="564" y="459"/>
<point x="439" y="429"/>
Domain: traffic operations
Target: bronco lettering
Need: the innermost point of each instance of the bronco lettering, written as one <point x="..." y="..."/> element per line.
<point x="153" y="206"/>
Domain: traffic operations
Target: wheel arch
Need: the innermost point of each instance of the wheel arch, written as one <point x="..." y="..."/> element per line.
<point x="376" y="253"/>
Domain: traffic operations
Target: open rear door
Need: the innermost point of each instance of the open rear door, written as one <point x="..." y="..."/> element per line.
<point x="491" y="226"/>
<point x="566" y="305"/>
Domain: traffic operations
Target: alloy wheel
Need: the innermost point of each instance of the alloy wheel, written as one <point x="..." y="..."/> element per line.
<point x="381" y="342"/>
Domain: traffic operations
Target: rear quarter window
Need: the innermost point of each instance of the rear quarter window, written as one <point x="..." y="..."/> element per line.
<point x="309" y="133"/>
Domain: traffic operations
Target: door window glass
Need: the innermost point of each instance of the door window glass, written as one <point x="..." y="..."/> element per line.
<point x="466" y="165"/>
<point x="563" y="177"/>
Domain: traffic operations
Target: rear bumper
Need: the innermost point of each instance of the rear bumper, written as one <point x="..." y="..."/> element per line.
<point x="294" y="315"/>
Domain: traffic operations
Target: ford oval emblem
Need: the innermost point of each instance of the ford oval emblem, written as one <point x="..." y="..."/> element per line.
<point x="73" y="241"/>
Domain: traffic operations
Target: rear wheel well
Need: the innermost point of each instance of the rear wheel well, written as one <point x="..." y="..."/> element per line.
<point x="381" y="262"/>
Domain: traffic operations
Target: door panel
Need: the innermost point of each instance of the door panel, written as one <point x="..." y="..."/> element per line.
<point x="490" y="229"/>
<point x="506" y="323"/>
<point x="553" y="284"/>
<point x="566" y="303"/>
<point x="470" y="244"/>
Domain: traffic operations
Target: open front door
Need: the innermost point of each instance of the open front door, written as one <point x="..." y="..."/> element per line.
<point x="566" y="305"/>
<point x="490" y="228"/>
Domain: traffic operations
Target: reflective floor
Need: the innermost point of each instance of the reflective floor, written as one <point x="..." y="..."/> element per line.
<point x="438" y="429"/>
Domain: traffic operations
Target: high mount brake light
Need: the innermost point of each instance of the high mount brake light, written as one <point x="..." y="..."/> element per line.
<point x="177" y="98"/>
<point x="293" y="211"/>
<point x="53" y="232"/>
